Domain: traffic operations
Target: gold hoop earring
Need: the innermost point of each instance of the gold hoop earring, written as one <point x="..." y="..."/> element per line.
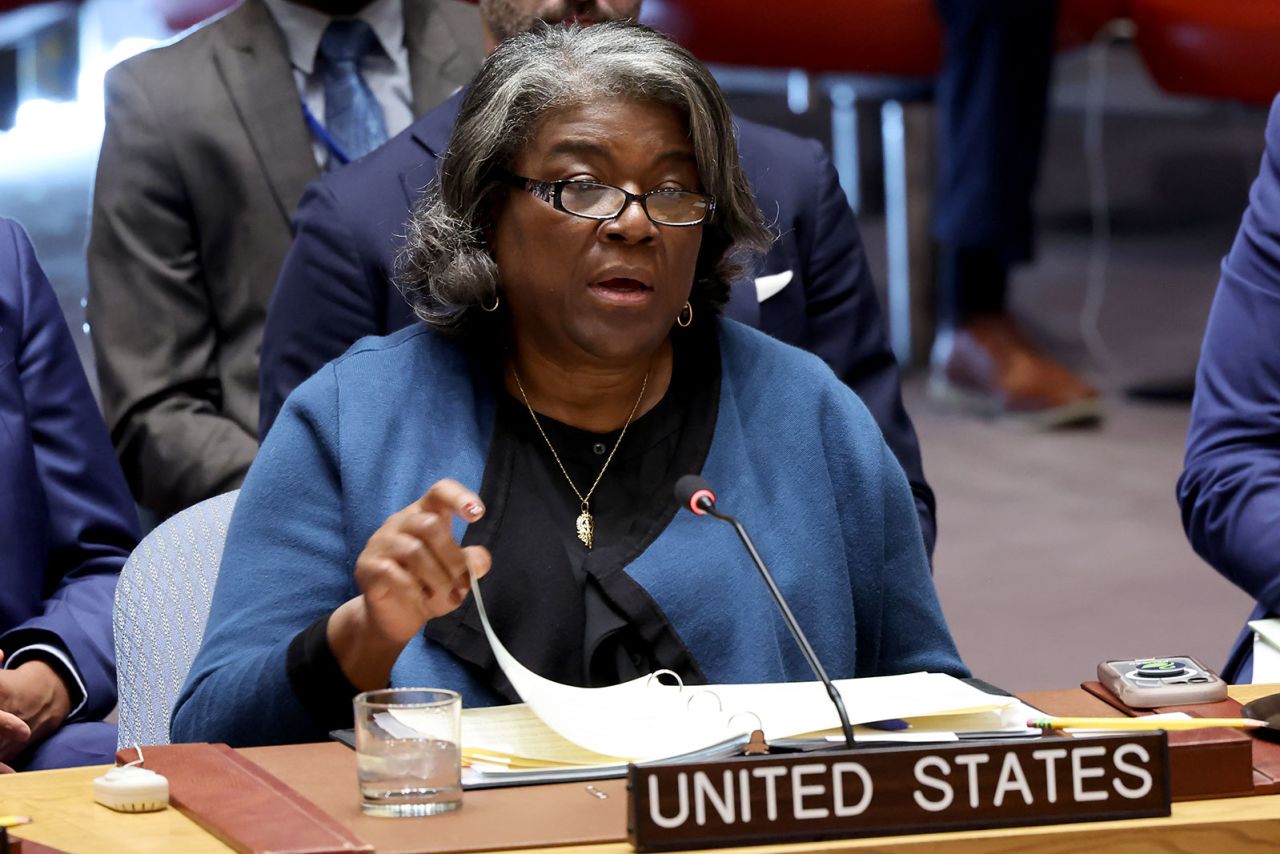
<point x="497" y="301"/>
<point x="685" y="317"/>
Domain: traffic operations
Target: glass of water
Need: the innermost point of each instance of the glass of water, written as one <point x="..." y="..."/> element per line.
<point x="408" y="751"/>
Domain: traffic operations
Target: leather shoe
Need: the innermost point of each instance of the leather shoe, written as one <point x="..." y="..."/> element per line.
<point x="986" y="367"/>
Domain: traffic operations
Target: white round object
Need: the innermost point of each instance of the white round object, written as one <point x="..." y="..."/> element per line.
<point x="131" y="789"/>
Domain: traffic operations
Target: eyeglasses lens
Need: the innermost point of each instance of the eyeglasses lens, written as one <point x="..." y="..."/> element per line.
<point x="592" y="199"/>
<point x="601" y="200"/>
<point x="677" y="208"/>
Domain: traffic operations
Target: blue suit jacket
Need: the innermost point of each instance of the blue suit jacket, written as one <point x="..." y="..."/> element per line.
<point x="1230" y="484"/>
<point x="335" y="284"/>
<point x="67" y="522"/>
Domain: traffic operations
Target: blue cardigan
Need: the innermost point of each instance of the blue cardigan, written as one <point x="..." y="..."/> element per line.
<point x="794" y="454"/>
<point x="1230" y="485"/>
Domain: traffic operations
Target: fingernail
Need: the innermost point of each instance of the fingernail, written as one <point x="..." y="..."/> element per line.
<point x="474" y="509"/>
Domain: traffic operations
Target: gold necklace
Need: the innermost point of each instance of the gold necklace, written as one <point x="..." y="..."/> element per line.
<point x="585" y="524"/>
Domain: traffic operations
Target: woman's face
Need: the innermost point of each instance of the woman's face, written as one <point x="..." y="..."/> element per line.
<point x="590" y="290"/>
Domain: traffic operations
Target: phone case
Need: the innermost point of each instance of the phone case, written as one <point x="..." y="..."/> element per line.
<point x="1150" y="683"/>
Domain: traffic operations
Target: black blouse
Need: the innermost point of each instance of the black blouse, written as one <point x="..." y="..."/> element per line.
<point x="568" y="613"/>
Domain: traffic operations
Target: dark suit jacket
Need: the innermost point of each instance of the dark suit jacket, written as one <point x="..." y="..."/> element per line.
<point x="335" y="284"/>
<point x="205" y="155"/>
<point x="1230" y="485"/>
<point x="67" y="523"/>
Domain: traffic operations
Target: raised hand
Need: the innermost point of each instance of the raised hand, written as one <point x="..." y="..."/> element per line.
<point x="412" y="570"/>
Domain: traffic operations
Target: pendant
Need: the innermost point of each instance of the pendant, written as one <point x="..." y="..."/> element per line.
<point x="586" y="527"/>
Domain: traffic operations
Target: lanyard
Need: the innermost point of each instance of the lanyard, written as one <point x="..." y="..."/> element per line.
<point x="319" y="132"/>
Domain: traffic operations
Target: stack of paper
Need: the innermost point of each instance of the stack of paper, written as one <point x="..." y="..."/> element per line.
<point x="514" y="738"/>
<point x="645" y="719"/>
<point x="562" y="730"/>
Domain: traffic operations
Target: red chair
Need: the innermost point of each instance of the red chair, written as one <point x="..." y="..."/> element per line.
<point x="10" y="5"/>
<point x="1226" y="50"/>
<point x="880" y="50"/>
<point x="180" y="14"/>
<point x="900" y="38"/>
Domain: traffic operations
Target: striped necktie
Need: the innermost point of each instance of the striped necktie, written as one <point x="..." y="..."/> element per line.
<point x="353" y="116"/>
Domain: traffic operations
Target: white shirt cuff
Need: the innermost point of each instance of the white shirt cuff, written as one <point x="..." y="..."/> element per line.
<point x="18" y="657"/>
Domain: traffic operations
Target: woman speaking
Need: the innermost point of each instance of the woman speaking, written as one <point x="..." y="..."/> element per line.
<point x="571" y="366"/>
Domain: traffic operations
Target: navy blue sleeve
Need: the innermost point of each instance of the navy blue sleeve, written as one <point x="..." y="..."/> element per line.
<point x="325" y="300"/>
<point x="71" y="523"/>
<point x="847" y="329"/>
<point x="1230" y="486"/>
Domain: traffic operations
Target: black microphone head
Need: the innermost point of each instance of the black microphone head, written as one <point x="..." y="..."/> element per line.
<point x="691" y="491"/>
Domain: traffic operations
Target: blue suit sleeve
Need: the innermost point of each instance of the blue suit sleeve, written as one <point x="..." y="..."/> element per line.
<point x="325" y="299"/>
<point x="1230" y="486"/>
<point x="285" y="566"/>
<point x="90" y="522"/>
<point x="847" y="330"/>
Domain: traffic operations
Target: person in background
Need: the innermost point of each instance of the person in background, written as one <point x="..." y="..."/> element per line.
<point x="569" y="270"/>
<point x="67" y="524"/>
<point x="1229" y="490"/>
<point x="992" y="96"/>
<point x="812" y="289"/>
<point x="209" y="143"/>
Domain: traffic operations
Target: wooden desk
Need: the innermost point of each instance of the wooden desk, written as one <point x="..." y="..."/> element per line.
<point x="65" y="817"/>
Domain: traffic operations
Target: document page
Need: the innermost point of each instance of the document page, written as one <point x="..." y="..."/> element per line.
<point x="640" y="719"/>
<point x="646" y="719"/>
<point x="514" y="735"/>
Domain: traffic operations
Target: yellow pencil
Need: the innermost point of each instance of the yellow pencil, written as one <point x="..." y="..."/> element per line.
<point x="1143" y="723"/>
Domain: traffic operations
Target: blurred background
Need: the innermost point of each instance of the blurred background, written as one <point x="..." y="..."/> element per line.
<point x="1055" y="549"/>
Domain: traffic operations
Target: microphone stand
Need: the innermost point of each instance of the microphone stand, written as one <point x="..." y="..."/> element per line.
<point x="708" y="506"/>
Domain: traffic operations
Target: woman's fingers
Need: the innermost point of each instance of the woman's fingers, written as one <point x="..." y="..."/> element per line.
<point x="412" y="568"/>
<point x="448" y="497"/>
<point x="441" y="557"/>
<point x="383" y="579"/>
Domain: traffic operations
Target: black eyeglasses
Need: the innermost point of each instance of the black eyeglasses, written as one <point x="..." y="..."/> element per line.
<point x="593" y="200"/>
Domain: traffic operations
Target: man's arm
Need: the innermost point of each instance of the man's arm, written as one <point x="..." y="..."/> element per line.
<point x="325" y="300"/>
<point x="847" y="330"/>
<point x="1230" y="485"/>
<point x="91" y="525"/>
<point x="155" y="339"/>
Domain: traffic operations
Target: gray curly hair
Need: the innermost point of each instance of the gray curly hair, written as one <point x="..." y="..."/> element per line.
<point x="446" y="269"/>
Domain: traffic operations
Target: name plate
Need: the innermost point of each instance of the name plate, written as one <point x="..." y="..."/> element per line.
<point x="897" y="790"/>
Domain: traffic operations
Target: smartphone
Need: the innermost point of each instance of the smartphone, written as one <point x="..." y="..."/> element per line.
<point x="1150" y="683"/>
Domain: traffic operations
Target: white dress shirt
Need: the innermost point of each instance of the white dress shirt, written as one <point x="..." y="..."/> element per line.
<point x="387" y="73"/>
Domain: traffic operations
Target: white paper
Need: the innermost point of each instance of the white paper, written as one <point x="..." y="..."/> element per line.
<point x="645" y="719"/>
<point x="1266" y="657"/>
<point x="640" y="719"/>
<point x="1268" y="630"/>
<point x="796" y="708"/>
<point x="862" y="735"/>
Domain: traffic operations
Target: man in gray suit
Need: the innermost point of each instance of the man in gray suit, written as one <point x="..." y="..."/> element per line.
<point x="209" y="143"/>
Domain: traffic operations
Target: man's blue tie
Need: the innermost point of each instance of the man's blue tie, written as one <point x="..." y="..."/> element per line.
<point x="352" y="115"/>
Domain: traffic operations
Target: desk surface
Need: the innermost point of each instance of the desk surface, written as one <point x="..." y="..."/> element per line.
<point x="66" y="817"/>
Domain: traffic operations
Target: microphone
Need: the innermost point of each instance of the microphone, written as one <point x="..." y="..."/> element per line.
<point x="695" y="494"/>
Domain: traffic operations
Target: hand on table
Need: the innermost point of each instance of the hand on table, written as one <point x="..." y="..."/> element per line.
<point x="412" y="570"/>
